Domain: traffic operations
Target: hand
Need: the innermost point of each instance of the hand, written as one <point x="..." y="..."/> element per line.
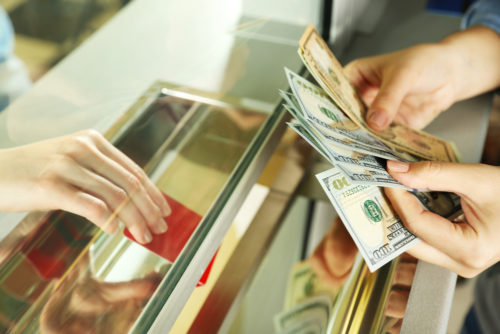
<point x="397" y="300"/>
<point x="466" y="247"/>
<point x="411" y="86"/>
<point x="84" y="174"/>
<point x="333" y="258"/>
<point x="414" y="85"/>
<point x="87" y="305"/>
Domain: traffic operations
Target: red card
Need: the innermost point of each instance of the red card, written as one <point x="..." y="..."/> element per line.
<point x="181" y="224"/>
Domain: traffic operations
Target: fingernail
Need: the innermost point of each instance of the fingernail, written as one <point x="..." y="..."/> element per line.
<point x="378" y="119"/>
<point x="162" y="226"/>
<point x="398" y="166"/>
<point x="166" y="208"/>
<point x="148" y="237"/>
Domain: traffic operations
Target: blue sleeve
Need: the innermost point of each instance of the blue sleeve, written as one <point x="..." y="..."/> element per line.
<point x="485" y="13"/>
<point x="6" y="36"/>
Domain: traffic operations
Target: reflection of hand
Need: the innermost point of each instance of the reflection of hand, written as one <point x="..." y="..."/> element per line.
<point x="93" y="306"/>
<point x="414" y="85"/>
<point x="466" y="247"/>
<point x="333" y="258"/>
<point x="84" y="174"/>
<point x="398" y="297"/>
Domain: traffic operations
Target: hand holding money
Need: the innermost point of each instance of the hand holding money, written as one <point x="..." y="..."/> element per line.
<point x="467" y="246"/>
<point x="404" y="86"/>
<point x="332" y="119"/>
<point x="414" y="85"/>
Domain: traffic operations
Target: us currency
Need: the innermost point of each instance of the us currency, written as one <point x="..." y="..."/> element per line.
<point x="372" y="171"/>
<point x="335" y="141"/>
<point x="322" y="113"/>
<point x="328" y="72"/>
<point x="339" y="156"/>
<point x="308" y="138"/>
<point x="319" y="112"/>
<point x="359" y="168"/>
<point x="375" y="228"/>
<point x="442" y="203"/>
<point x="304" y="284"/>
<point x="359" y="175"/>
<point x="315" y="310"/>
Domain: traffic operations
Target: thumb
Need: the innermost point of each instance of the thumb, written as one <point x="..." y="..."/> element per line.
<point x="441" y="176"/>
<point x="387" y="102"/>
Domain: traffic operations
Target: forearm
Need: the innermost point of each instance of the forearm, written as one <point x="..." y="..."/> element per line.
<point x="475" y="55"/>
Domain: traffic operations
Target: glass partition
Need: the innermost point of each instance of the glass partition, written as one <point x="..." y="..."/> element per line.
<point x="60" y="273"/>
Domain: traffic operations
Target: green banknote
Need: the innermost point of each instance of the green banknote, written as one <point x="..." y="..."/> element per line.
<point x="303" y="283"/>
<point x="314" y="311"/>
<point x="377" y="231"/>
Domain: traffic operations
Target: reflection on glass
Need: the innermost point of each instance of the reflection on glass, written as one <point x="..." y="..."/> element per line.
<point x="399" y="294"/>
<point x="60" y="274"/>
<point x="362" y="302"/>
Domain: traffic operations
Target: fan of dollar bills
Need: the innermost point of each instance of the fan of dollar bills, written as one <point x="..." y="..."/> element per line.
<point x="332" y="119"/>
<point x="308" y="305"/>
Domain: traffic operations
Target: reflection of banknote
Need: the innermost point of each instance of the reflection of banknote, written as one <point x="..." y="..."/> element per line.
<point x="325" y="68"/>
<point x="305" y="327"/>
<point x="377" y="231"/>
<point x="303" y="284"/>
<point x="308" y="303"/>
<point x="314" y="310"/>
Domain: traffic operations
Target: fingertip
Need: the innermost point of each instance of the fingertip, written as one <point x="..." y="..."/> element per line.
<point x="398" y="166"/>
<point x="377" y="120"/>
<point x="141" y="235"/>
<point x="147" y="237"/>
<point x="160" y="226"/>
<point x="163" y="204"/>
<point x="166" y="209"/>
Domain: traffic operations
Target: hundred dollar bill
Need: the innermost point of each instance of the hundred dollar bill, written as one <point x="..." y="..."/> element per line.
<point x="358" y="167"/>
<point x="319" y="111"/>
<point x="313" y="310"/>
<point x="340" y="155"/>
<point x="328" y="72"/>
<point x="359" y="175"/>
<point x="303" y="284"/>
<point x="308" y="138"/>
<point x="353" y="168"/>
<point x="375" y="228"/>
<point x="336" y="140"/>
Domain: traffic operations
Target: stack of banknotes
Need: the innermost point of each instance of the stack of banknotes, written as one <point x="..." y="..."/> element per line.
<point x="331" y="117"/>
<point x="308" y="305"/>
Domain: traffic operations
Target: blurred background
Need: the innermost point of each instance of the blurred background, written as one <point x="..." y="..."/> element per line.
<point x="47" y="30"/>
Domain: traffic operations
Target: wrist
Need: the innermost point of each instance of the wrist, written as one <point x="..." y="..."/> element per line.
<point x="472" y="59"/>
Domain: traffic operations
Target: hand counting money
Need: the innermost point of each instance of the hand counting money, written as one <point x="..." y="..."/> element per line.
<point x="332" y="119"/>
<point x="327" y="71"/>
